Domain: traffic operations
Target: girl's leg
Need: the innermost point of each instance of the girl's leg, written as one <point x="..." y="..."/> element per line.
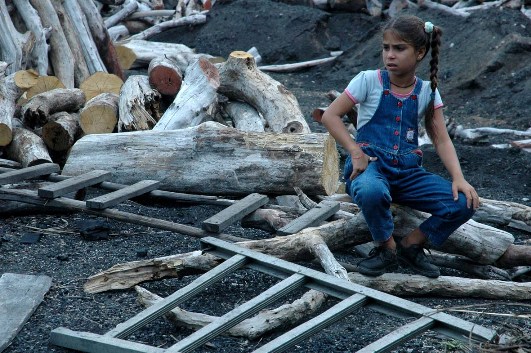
<point x="431" y="193"/>
<point x="370" y="191"/>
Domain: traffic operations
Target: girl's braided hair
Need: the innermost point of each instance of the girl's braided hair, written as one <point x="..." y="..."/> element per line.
<point x="411" y="29"/>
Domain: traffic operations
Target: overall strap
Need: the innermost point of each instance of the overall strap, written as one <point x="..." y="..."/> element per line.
<point x="386" y="83"/>
<point x="418" y="86"/>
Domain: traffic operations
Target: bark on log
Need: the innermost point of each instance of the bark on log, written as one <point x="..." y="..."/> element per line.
<point x="100" y="114"/>
<point x="191" y="105"/>
<point x="39" y="54"/>
<point x="165" y="75"/>
<point x="224" y="161"/>
<point x="15" y="45"/>
<point x="116" y="33"/>
<point x="81" y="27"/>
<point x="241" y="79"/>
<point x="61" y="131"/>
<point x="81" y="70"/>
<point x="337" y="235"/>
<point x="101" y="38"/>
<point x="39" y="108"/>
<point x="445" y="286"/>
<point x="27" y="148"/>
<point x="145" y="51"/>
<point x="503" y="213"/>
<point x="9" y="94"/>
<point x="163" y="26"/>
<point x="138" y="105"/>
<point x="245" y="117"/>
<point x="128" y="8"/>
<point x="60" y="54"/>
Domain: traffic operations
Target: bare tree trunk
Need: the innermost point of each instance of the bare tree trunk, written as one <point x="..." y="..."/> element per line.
<point x="27" y="148"/>
<point x="213" y="159"/>
<point x="61" y="131"/>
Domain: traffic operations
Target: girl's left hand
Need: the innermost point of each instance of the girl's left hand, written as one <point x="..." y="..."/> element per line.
<point x="472" y="198"/>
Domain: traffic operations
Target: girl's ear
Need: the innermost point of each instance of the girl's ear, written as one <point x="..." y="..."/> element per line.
<point x="421" y="53"/>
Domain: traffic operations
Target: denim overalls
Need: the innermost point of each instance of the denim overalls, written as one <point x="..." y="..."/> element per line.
<point x="398" y="176"/>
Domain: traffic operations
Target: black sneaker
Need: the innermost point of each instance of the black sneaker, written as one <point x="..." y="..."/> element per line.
<point x="380" y="261"/>
<point x="415" y="258"/>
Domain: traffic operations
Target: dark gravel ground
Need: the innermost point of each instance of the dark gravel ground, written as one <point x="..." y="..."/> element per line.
<point x="474" y="97"/>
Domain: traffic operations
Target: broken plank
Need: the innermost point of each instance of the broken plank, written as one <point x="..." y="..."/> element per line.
<point x="321" y="212"/>
<point x="15" y="176"/>
<point x="73" y="184"/>
<point x="235" y="212"/>
<point x="20" y="295"/>
<point x="128" y="192"/>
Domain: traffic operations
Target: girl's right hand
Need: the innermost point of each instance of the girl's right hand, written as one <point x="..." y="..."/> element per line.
<point x="360" y="162"/>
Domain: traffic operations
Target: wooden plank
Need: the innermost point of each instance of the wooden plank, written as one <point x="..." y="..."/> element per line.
<point x="310" y="327"/>
<point x="128" y="192"/>
<point x="235" y="212"/>
<point x="312" y="218"/>
<point x="14" y="176"/>
<point x="73" y="184"/>
<point x="91" y="342"/>
<point x="31" y="197"/>
<point x="20" y="295"/>
<point x="237" y="315"/>
<point x="163" y="306"/>
<point x="401" y="334"/>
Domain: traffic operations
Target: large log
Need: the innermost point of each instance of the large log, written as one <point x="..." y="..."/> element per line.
<point x="100" y="114"/>
<point x="60" y="53"/>
<point x="213" y="159"/>
<point x="446" y="286"/>
<point x="39" y="108"/>
<point x="81" y="27"/>
<point x="197" y="94"/>
<point x="9" y="94"/>
<point x="81" y="70"/>
<point x="31" y="18"/>
<point x="60" y="133"/>
<point x="101" y="37"/>
<point x="14" y="45"/>
<point x="27" y="148"/>
<point x="242" y="80"/>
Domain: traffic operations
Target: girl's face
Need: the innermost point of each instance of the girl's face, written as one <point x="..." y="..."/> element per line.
<point x="400" y="58"/>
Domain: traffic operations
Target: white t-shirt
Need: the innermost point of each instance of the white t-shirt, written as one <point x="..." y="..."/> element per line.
<point x="365" y="90"/>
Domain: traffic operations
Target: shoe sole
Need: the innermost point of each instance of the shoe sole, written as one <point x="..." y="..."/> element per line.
<point x="375" y="273"/>
<point x="406" y="264"/>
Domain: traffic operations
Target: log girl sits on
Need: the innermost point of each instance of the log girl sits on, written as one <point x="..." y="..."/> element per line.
<point x="384" y="164"/>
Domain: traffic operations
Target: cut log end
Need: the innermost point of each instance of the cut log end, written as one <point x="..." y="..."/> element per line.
<point x="165" y="80"/>
<point x="98" y="120"/>
<point x="294" y="127"/>
<point x="6" y="135"/>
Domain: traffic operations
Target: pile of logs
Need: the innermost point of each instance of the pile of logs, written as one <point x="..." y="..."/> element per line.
<point x="230" y="130"/>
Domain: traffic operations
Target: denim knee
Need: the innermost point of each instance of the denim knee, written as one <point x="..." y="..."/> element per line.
<point x="461" y="213"/>
<point x="370" y="195"/>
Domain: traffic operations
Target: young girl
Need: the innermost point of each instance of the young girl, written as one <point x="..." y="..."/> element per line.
<point x="385" y="163"/>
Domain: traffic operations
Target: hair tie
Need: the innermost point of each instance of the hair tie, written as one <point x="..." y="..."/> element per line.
<point x="428" y="27"/>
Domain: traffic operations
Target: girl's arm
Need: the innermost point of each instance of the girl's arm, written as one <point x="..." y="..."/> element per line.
<point x="446" y="151"/>
<point x="332" y="121"/>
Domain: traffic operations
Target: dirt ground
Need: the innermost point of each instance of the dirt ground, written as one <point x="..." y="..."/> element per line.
<point x="485" y="80"/>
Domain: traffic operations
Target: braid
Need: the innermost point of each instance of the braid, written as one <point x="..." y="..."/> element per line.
<point x="434" y="43"/>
